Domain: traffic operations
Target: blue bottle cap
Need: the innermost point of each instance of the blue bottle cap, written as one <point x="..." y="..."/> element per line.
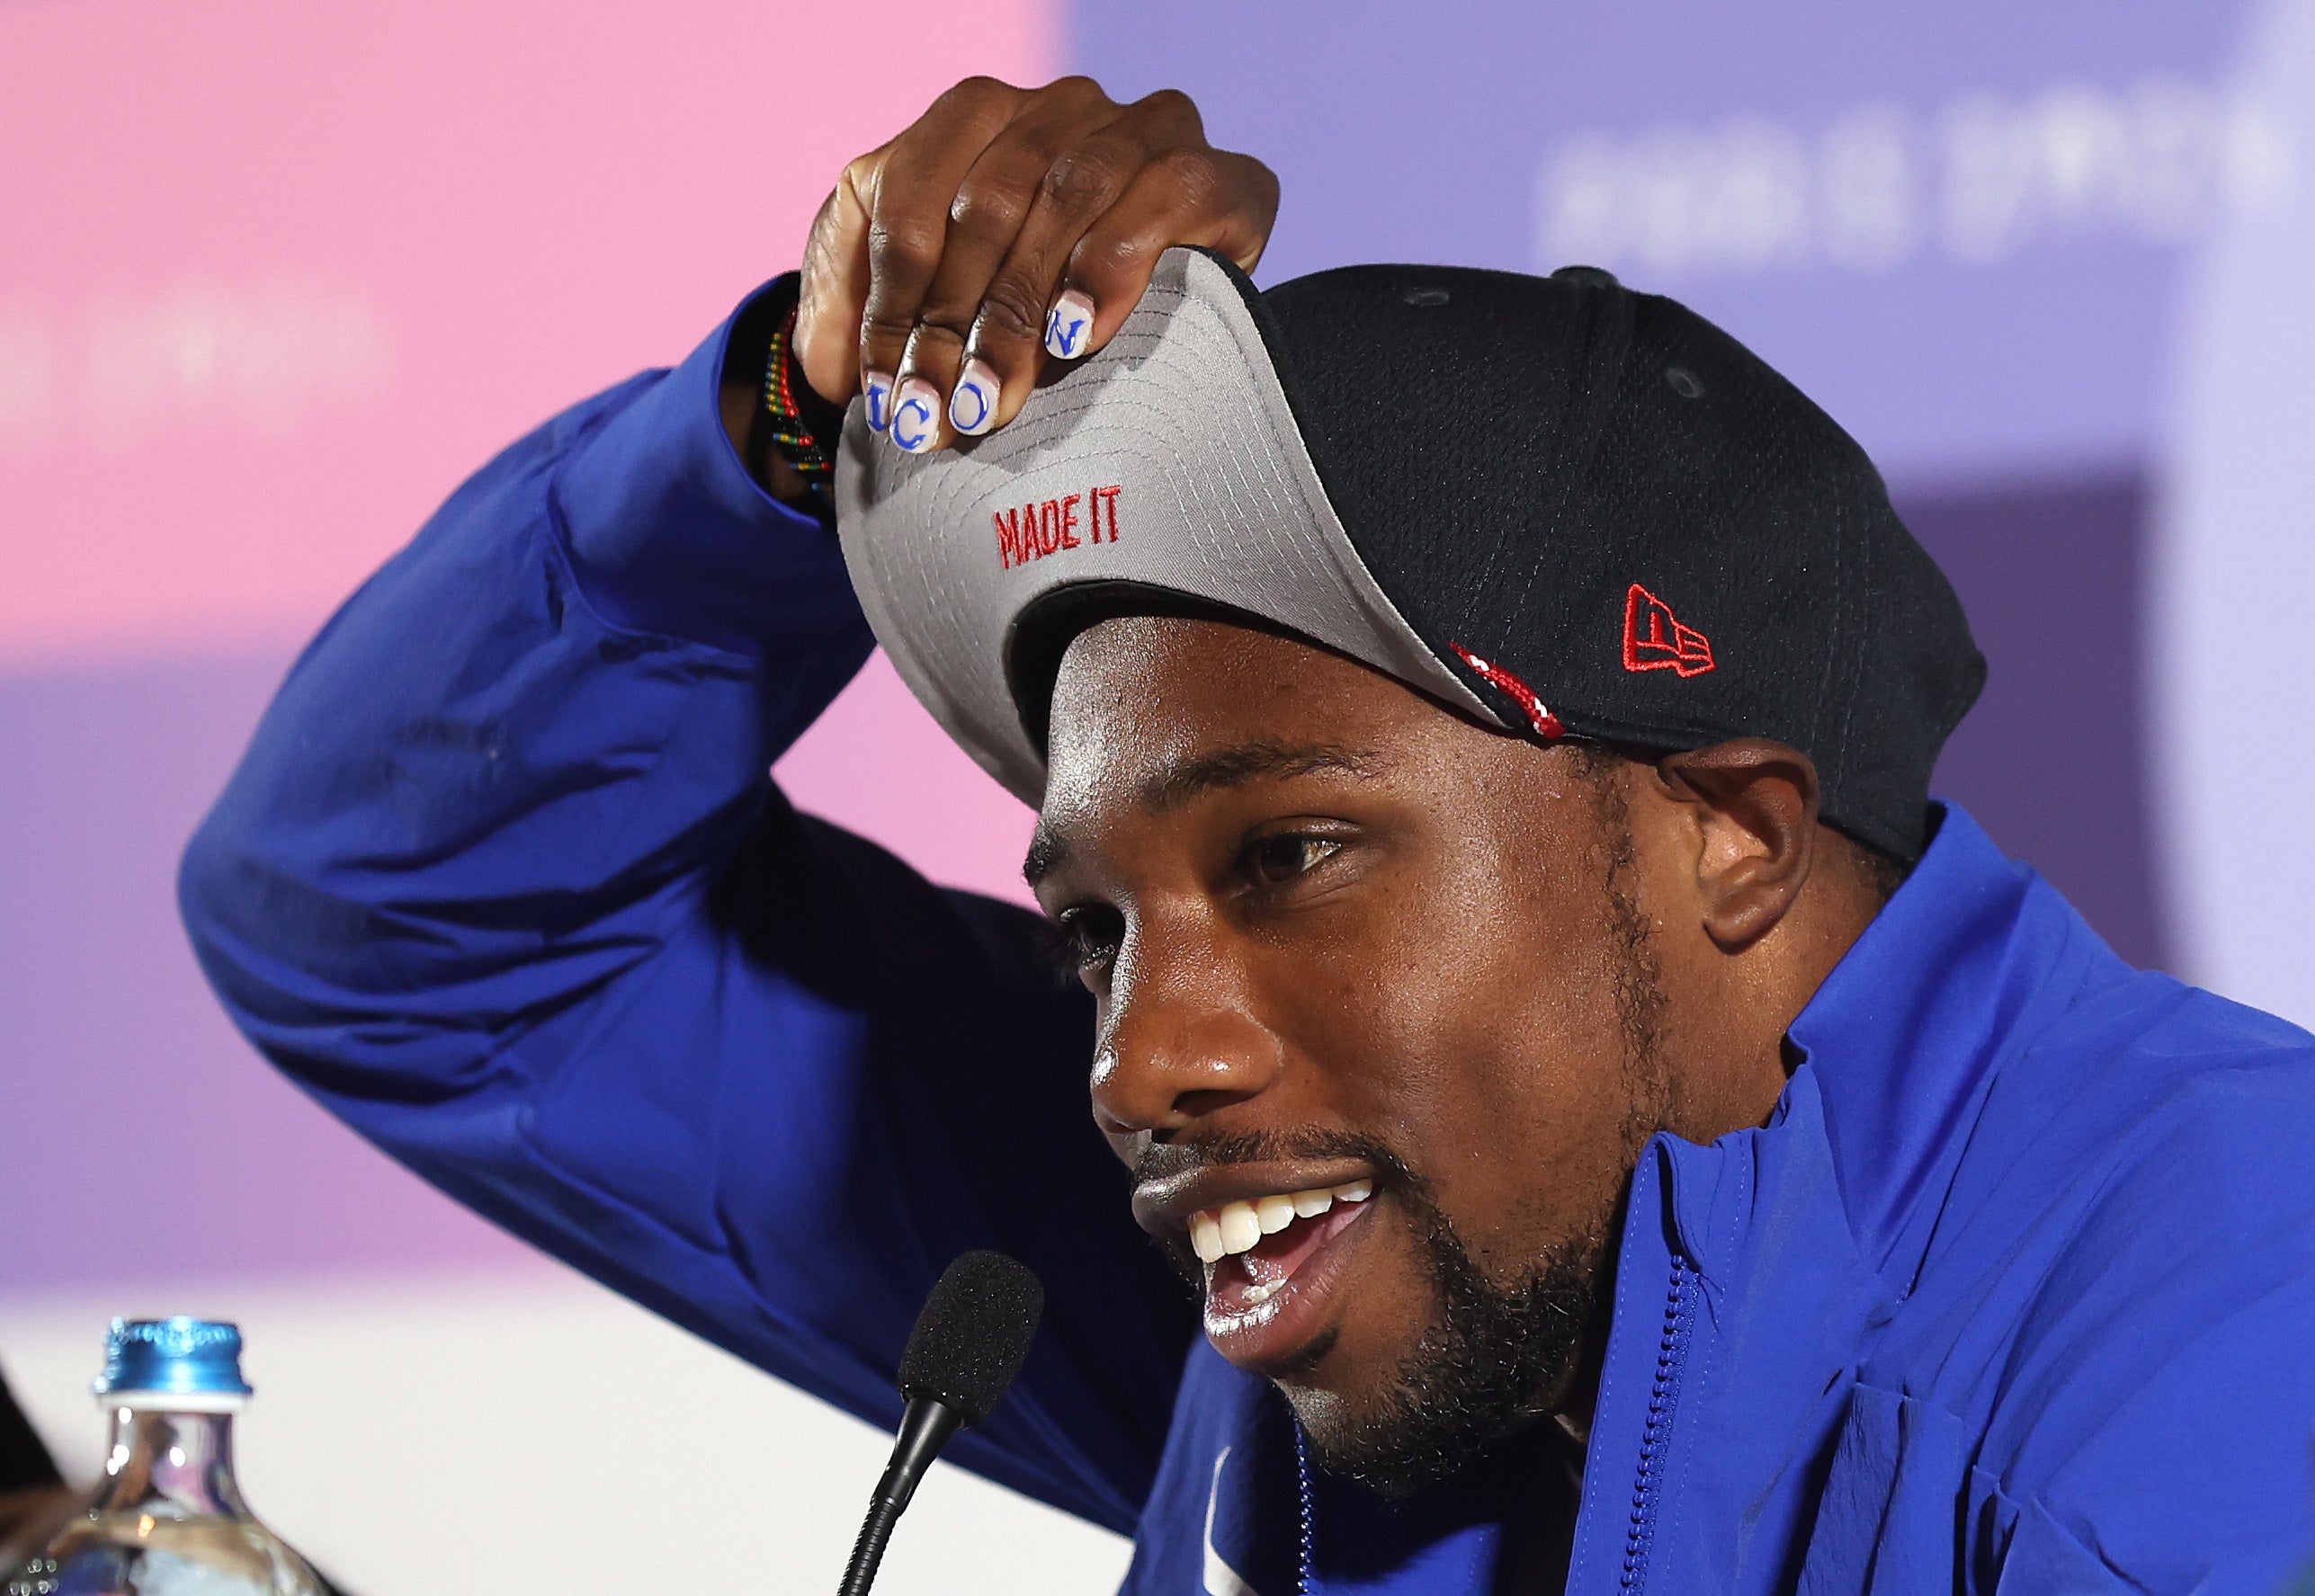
<point x="178" y="1356"/>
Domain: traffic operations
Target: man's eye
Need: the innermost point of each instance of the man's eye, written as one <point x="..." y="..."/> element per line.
<point x="1087" y="938"/>
<point x="1276" y="859"/>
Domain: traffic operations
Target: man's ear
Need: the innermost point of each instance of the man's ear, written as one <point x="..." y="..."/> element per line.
<point x="1754" y="811"/>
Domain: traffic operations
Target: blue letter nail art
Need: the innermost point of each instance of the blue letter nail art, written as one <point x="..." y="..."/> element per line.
<point x="880" y="392"/>
<point x="912" y="425"/>
<point x="1065" y="329"/>
<point x="968" y="407"/>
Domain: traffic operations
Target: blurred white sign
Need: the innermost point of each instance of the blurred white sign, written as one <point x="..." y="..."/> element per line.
<point x="115" y="369"/>
<point x="1976" y="182"/>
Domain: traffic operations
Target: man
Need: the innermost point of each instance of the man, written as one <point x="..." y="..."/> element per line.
<point x="1623" y="1135"/>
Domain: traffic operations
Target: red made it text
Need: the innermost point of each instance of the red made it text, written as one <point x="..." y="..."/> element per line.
<point x="1034" y="530"/>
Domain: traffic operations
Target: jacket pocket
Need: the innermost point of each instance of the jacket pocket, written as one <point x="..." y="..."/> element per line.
<point x="1889" y="1520"/>
<point x="2022" y="1551"/>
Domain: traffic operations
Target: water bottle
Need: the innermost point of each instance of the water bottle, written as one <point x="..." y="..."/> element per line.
<point x="169" y="1521"/>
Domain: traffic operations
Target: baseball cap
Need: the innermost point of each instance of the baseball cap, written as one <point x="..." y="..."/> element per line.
<point x="1553" y="504"/>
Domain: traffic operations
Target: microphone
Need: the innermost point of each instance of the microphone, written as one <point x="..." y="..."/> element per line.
<point x="968" y="1345"/>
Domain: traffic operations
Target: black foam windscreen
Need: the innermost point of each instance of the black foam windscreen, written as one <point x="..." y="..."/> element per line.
<point x="972" y="1334"/>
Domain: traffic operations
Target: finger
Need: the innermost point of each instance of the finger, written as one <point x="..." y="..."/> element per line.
<point x="1000" y="193"/>
<point x="833" y="291"/>
<point x="1017" y="311"/>
<point x="908" y="216"/>
<point x="1207" y="197"/>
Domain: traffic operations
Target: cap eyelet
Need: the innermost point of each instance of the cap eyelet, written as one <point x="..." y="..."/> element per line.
<point x="1683" y="382"/>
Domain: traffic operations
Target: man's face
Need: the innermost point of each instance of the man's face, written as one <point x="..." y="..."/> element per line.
<point x="1361" y="963"/>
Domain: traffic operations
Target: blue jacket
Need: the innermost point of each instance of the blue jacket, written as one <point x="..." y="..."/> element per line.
<point x="2014" y="1291"/>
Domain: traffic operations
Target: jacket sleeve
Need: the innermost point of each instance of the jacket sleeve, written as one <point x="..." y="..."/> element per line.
<point x="503" y="880"/>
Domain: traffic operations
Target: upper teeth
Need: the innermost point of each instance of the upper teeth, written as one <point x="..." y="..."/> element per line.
<point x="1235" y="1227"/>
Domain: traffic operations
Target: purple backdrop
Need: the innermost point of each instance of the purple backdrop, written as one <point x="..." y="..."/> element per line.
<point x="124" y="1082"/>
<point x="1941" y="220"/>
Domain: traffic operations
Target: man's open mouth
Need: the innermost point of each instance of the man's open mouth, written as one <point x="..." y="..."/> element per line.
<point x="1268" y="1262"/>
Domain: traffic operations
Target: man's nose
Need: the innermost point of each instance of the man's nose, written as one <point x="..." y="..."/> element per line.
<point x="1176" y="1054"/>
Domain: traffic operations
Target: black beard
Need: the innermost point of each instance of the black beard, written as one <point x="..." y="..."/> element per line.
<point x="1491" y="1363"/>
<point x="1493" y="1360"/>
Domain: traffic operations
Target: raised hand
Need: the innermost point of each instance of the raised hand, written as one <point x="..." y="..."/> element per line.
<point x="1006" y="227"/>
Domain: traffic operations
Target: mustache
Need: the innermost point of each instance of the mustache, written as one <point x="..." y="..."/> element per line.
<point x="1166" y="1160"/>
<point x="1162" y="1160"/>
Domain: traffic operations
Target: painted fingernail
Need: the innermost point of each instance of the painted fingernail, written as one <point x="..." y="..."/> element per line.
<point x="878" y="391"/>
<point x="972" y="408"/>
<point x="917" y="415"/>
<point x="1069" y="326"/>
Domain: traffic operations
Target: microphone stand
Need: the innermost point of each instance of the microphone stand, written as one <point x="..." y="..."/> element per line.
<point x="925" y="1430"/>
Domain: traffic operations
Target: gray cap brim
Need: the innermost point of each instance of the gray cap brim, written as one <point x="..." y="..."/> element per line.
<point x="1169" y="460"/>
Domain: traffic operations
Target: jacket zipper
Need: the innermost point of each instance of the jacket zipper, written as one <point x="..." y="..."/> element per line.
<point x="1663" y="1397"/>
<point x="1308" y="1555"/>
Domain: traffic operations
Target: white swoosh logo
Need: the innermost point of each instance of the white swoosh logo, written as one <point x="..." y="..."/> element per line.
<point x="1221" y="1579"/>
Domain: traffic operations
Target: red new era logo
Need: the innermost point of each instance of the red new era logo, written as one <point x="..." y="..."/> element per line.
<point x="1655" y="640"/>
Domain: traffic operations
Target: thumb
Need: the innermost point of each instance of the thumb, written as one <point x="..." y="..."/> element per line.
<point x="834" y="291"/>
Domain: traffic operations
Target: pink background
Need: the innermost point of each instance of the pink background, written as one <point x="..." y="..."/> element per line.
<point x="274" y="277"/>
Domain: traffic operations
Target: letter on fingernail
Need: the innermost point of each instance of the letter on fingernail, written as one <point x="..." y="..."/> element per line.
<point x="878" y="391"/>
<point x="1069" y="326"/>
<point x="972" y="408"/>
<point x="916" y="417"/>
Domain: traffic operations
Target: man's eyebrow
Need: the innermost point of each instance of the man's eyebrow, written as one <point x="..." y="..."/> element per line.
<point x="1263" y="759"/>
<point x="1219" y="770"/>
<point x="1047" y="854"/>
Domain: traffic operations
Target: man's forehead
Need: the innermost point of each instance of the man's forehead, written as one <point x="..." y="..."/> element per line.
<point x="1165" y="704"/>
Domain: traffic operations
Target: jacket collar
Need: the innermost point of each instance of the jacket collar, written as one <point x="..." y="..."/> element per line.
<point x="1974" y="957"/>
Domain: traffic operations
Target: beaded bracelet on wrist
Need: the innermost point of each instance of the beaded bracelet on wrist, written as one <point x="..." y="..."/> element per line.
<point x="790" y="435"/>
